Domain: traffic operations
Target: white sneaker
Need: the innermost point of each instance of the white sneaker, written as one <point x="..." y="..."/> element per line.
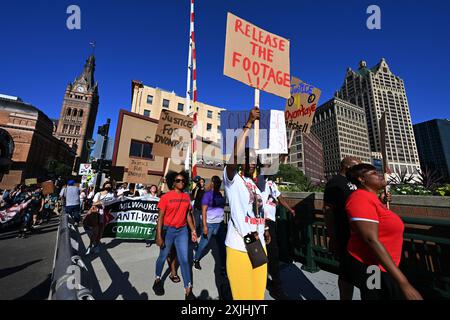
<point x="88" y="251"/>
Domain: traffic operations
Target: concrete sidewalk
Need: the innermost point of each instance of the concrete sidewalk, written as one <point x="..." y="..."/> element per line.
<point x="125" y="270"/>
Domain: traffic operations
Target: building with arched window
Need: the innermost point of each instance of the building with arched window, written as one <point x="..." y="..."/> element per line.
<point x="27" y="143"/>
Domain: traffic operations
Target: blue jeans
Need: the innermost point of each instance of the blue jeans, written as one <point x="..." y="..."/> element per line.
<point x="218" y="230"/>
<point x="180" y="238"/>
<point x="74" y="212"/>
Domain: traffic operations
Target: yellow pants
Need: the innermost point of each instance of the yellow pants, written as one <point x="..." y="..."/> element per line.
<point x="246" y="283"/>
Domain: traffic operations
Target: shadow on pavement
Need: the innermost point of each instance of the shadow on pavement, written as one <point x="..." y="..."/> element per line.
<point x="297" y="286"/>
<point x="8" y="271"/>
<point x="120" y="285"/>
<point x="40" y="292"/>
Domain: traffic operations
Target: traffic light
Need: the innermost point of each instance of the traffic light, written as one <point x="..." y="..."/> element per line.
<point x="102" y="165"/>
<point x="94" y="165"/>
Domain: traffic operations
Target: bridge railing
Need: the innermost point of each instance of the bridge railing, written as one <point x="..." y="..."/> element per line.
<point x="70" y="277"/>
<point x="425" y="258"/>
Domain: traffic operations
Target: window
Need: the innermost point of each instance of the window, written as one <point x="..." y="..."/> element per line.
<point x="166" y="103"/>
<point x="209" y="114"/>
<point x="69" y="110"/>
<point x="141" y="149"/>
<point x="80" y="114"/>
<point x="180" y="107"/>
<point x="218" y="116"/>
<point x="74" y="112"/>
<point x="65" y="128"/>
<point x="149" y="99"/>
<point x="208" y="127"/>
<point x="71" y="129"/>
<point x="146" y="113"/>
<point x="77" y="130"/>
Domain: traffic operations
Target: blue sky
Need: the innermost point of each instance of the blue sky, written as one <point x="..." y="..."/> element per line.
<point x="147" y="40"/>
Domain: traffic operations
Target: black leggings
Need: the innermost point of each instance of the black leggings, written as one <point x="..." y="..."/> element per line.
<point x="358" y="275"/>
<point x="273" y="253"/>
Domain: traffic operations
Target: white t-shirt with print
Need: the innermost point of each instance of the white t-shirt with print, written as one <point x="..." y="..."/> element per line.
<point x="104" y="198"/>
<point x="270" y="196"/>
<point x="240" y="198"/>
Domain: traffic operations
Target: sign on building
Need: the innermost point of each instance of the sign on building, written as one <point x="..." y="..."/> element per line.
<point x="257" y="57"/>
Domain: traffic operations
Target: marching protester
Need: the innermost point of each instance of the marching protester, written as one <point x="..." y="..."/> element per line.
<point x="90" y="196"/>
<point x="36" y="206"/>
<point x="71" y="198"/>
<point x="50" y="206"/>
<point x="107" y="194"/>
<point x="196" y="197"/>
<point x="213" y="204"/>
<point x="91" y="224"/>
<point x="247" y="234"/>
<point x="123" y="188"/>
<point x="154" y="193"/>
<point x="82" y="198"/>
<point x="271" y="197"/>
<point x="25" y="216"/>
<point x="376" y="239"/>
<point x="337" y="191"/>
<point x="174" y="216"/>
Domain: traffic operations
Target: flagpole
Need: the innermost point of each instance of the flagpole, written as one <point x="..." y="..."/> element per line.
<point x="194" y="93"/>
<point x="188" y="83"/>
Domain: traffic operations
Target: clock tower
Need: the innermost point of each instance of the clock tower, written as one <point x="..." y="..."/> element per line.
<point x="79" y="112"/>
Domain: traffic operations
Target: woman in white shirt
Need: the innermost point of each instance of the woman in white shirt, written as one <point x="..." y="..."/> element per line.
<point x="99" y="201"/>
<point x="247" y="220"/>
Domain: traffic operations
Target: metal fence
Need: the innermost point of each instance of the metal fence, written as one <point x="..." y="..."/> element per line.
<point x="426" y="248"/>
<point x="70" y="278"/>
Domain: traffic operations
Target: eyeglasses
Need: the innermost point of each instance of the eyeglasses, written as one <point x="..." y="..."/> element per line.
<point x="180" y="180"/>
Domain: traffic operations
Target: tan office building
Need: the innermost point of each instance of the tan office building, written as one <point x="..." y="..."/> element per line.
<point x="149" y="102"/>
<point x="342" y="128"/>
<point x="377" y="90"/>
<point x="133" y="151"/>
<point x="306" y="154"/>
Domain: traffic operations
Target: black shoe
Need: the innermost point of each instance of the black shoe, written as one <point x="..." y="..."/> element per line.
<point x="190" y="296"/>
<point x="197" y="265"/>
<point x="276" y="292"/>
<point x="158" y="288"/>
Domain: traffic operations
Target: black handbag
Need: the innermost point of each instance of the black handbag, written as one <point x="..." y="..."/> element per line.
<point x="255" y="250"/>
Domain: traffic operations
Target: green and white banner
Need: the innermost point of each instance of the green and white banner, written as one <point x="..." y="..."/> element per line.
<point x="131" y="218"/>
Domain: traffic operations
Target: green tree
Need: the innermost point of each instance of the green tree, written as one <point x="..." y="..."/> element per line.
<point x="289" y="173"/>
<point x="56" y="168"/>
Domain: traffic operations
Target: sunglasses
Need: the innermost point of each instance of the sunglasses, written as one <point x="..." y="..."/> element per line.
<point x="180" y="180"/>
